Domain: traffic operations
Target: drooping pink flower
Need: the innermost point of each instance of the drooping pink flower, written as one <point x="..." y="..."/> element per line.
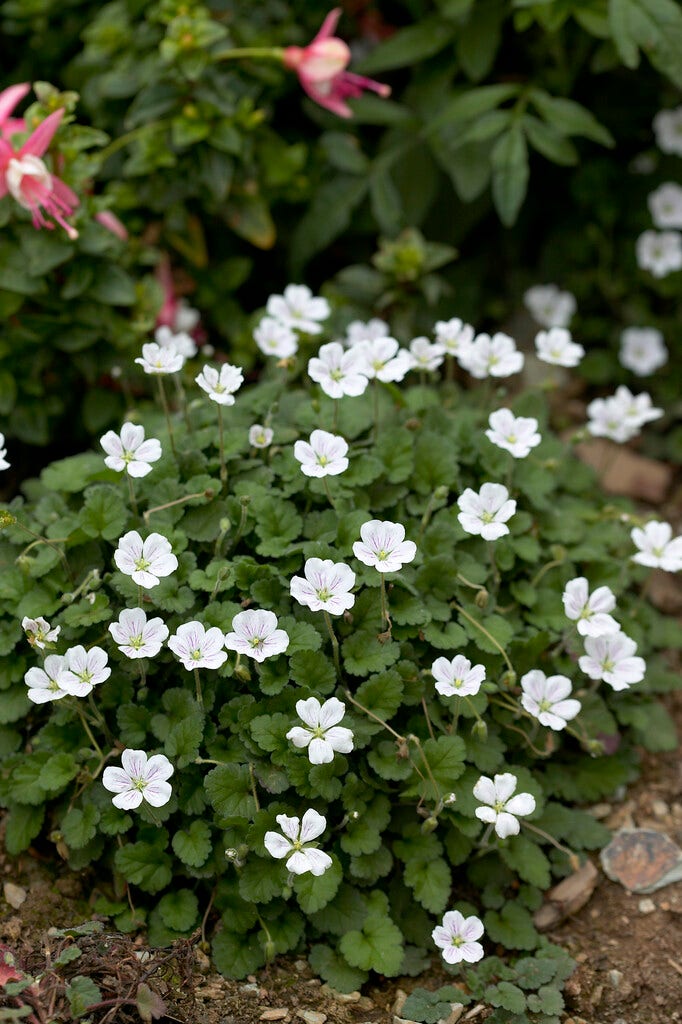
<point x="321" y="69"/>
<point x="111" y="222"/>
<point x="8" y="101"/>
<point x="25" y="176"/>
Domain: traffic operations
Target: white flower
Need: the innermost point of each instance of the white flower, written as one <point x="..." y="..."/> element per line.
<point x="457" y="936"/>
<point x="129" y="451"/>
<point x="492" y="357"/>
<point x="611" y="658"/>
<point x="146" y="561"/>
<point x="44" y="683"/>
<point x="457" y="678"/>
<point x="327" y="586"/>
<point x="298" y="308"/>
<point x="659" y="252"/>
<point x="294" y="844"/>
<point x="140" y="778"/>
<point x="642" y="350"/>
<point x="160" y="359"/>
<point x="255" y="634"/>
<point x="454" y="335"/>
<point x="426" y="355"/>
<point x="4" y="464"/>
<point x="549" y="306"/>
<point x="136" y="636"/>
<point x="186" y="317"/>
<point x="590" y="611"/>
<point x="383" y="359"/>
<point x="485" y="513"/>
<point x="260" y="436"/>
<point x="502" y="808"/>
<point x="637" y="409"/>
<point x="83" y="670"/>
<point x="322" y="733"/>
<point x="516" y="434"/>
<point x="621" y="415"/>
<point x="324" y="455"/>
<point x="668" y="130"/>
<point x="358" y="330"/>
<point x="545" y="697"/>
<point x="178" y="339"/>
<point x="383" y="545"/>
<point x="657" y="548"/>
<point x="665" y="205"/>
<point x="337" y="371"/>
<point x="275" y="339"/>
<point x="557" y="347"/>
<point x="39" y="631"/>
<point x="197" y="647"/>
<point x="220" y="385"/>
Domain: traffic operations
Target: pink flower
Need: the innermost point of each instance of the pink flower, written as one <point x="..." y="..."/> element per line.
<point x="25" y="176"/>
<point x="111" y="222"/>
<point x="8" y="101"/>
<point x="321" y="69"/>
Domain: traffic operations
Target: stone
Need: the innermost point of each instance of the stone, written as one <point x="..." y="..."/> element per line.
<point x="615" y="978"/>
<point x="567" y="897"/>
<point x="312" y="1016"/>
<point x="646" y="906"/>
<point x="456" y="1011"/>
<point x="660" y="808"/>
<point x="341" y="997"/>
<point x="642" y="860"/>
<point x="623" y="471"/>
<point x="14" y="894"/>
<point x="276" y="1013"/>
<point x="399" y="1001"/>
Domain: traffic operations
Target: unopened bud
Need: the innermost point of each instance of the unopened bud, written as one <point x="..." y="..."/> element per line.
<point x="481" y="599"/>
<point x="242" y="672"/>
<point x="354" y="815"/>
<point x="430" y="825"/>
<point x="231" y="853"/>
<point x="441" y="492"/>
<point x="245" y="500"/>
<point x="6" y="519"/>
<point x="595" y="748"/>
<point x="449" y="799"/>
<point x="224" y="524"/>
<point x="479" y="729"/>
<point x="90" y="598"/>
<point x="509" y="679"/>
<point x="270" y="950"/>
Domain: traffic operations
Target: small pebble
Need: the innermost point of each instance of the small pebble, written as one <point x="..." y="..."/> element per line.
<point x="14" y="894"/>
<point x="340" y="997"/>
<point x="600" y="811"/>
<point x="300" y="966"/>
<point x="660" y="808"/>
<point x="456" y="1011"/>
<point x="646" y="906"/>
<point x="277" y="1013"/>
<point x="615" y="978"/>
<point x="399" y="1002"/>
<point x="251" y="988"/>
<point x="312" y="1016"/>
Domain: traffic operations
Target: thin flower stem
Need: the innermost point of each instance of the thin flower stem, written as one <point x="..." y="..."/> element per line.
<point x="510" y="473"/>
<point x="252" y="776"/>
<point x="554" y="564"/>
<point x="245" y="500"/>
<point x="325" y="484"/>
<point x="485" y="632"/>
<point x="335" y="418"/>
<point x="37" y="539"/>
<point x="375" y="717"/>
<point x="385" y="618"/>
<point x="375" y="406"/>
<point x="221" y="432"/>
<point x="450" y="369"/>
<point x="493" y="563"/>
<point x="455" y="718"/>
<point x="100" y="719"/>
<point x="550" y="839"/>
<point x="472" y="707"/>
<point x="182" y="402"/>
<point x="140" y="595"/>
<point x="197" y="683"/>
<point x="88" y="731"/>
<point x="418" y="745"/>
<point x="252" y="52"/>
<point x="335" y="643"/>
<point x="131" y="492"/>
<point x="428" y="720"/>
<point x="204" y="919"/>
<point x="208" y="760"/>
<point x="171" y="504"/>
<point x="166" y="410"/>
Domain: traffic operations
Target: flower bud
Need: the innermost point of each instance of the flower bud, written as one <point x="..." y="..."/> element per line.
<point x="449" y="799"/>
<point x="270" y="950"/>
<point x="430" y="825"/>
<point x="441" y="493"/>
<point x="242" y="672"/>
<point x="479" y="729"/>
<point x="481" y="599"/>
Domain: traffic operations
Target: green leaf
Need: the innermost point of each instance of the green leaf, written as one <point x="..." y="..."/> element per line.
<point x="22" y="825"/>
<point x="103" y="514"/>
<point x="528" y="860"/>
<point x="408" y="45"/>
<point x="315" y="892"/>
<point x="513" y="927"/>
<point x="79" y="826"/>
<point x="229" y="791"/>
<point x="551" y="143"/>
<point x="260" y="880"/>
<point x="378" y="946"/>
<point x="654" y="26"/>
<point x="145" y="865"/>
<point x="82" y="992"/>
<point x="194" y="845"/>
<point x="479" y="38"/>
<point x="509" y="996"/>
<point x="363" y="653"/>
<point x="382" y="695"/>
<point x="73" y="474"/>
<point x="235" y="956"/>
<point x="431" y="882"/>
<point x="547" y="1000"/>
<point x="57" y="772"/>
<point x="269" y="731"/>
<point x="336" y="971"/>
<point x="510" y="173"/>
<point x="569" y="118"/>
<point x="184" y="739"/>
<point x="445" y="757"/>
<point x="327" y="216"/>
<point x="179" y="910"/>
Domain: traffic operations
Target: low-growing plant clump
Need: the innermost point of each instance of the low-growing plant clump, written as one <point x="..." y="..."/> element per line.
<point x="329" y="658"/>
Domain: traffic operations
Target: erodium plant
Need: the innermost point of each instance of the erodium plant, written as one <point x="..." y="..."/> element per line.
<point x="346" y="653"/>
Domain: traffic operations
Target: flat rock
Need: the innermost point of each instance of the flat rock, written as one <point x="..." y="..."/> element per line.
<point x="312" y="1016"/>
<point x="622" y="471"/>
<point x="642" y="860"/>
<point x="567" y="897"/>
<point x="14" y="894"/>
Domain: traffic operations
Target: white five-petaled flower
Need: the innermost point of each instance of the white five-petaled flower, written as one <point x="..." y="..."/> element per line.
<point x="197" y="647"/>
<point x="180" y="340"/>
<point x="383" y="545"/>
<point x="502" y="808"/>
<point x="338" y="371"/>
<point x="39" y="631"/>
<point x="255" y="634"/>
<point x="495" y="356"/>
<point x="321" y="732"/>
<point x="668" y="130"/>
<point x="324" y="455"/>
<point x="556" y="346"/>
<point x="621" y="415"/>
<point x="657" y="547"/>
<point x="486" y="513"/>
<point x="659" y="252"/>
<point x="518" y="435"/>
<point x="140" y="778"/>
<point x="665" y="205"/>
<point x="186" y="317"/>
<point x="295" y="843"/>
<point x="590" y="612"/>
<point x="137" y="636"/>
<point x="220" y="385"/>
<point x="457" y="678"/>
<point x="145" y="561"/>
<point x="299" y="308"/>
<point x="83" y="670"/>
<point x="130" y="451"/>
<point x="549" y="306"/>
<point x="612" y="659"/>
<point x="44" y="683"/>
<point x="457" y="938"/>
<point x="454" y="335"/>
<point x="160" y="358"/>
<point x="327" y="586"/>
<point x="4" y="464"/>
<point x="359" y="330"/>
<point x="642" y="350"/>
<point x="547" y="698"/>
<point x="275" y="338"/>
<point x="260" y="436"/>
<point x="383" y="359"/>
<point x="426" y="355"/>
